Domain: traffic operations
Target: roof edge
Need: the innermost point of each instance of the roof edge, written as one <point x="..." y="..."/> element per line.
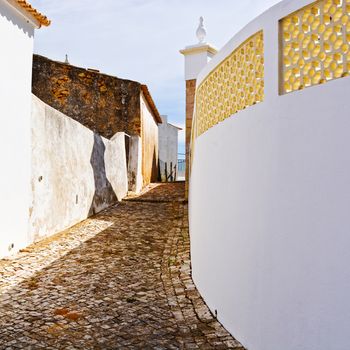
<point x="27" y="10"/>
<point x="177" y="127"/>
<point x="151" y="103"/>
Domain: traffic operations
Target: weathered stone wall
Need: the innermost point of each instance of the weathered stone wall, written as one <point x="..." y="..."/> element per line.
<point x="75" y="172"/>
<point x="103" y="103"/>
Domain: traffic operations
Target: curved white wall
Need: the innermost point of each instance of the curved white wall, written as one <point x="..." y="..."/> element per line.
<point x="270" y="210"/>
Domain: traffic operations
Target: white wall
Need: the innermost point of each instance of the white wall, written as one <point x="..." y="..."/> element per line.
<point x="135" y="164"/>
<point x="269" y="210"/>
<point x="75" y="173"/>
<point x="15" y="100"/>
<point x="168" y="144"/>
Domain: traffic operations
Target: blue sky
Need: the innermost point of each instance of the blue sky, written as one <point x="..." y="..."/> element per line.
<point x="140" y="39"/>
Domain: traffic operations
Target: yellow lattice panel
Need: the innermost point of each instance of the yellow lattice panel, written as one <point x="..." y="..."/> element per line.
<point x="315" y="44"/>
<point x="236" y="83"/>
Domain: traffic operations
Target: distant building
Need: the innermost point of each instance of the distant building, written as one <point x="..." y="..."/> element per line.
<point x="18" y="20"/>
<point x="168" y="149"/>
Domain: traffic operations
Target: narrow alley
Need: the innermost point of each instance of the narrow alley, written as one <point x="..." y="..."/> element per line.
<point x="118" y="280"/>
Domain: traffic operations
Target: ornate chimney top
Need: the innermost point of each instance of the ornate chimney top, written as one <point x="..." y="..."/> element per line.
<point x="201" y="32"/>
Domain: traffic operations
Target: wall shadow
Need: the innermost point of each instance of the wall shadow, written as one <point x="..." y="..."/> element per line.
<point x="155" y="173"/>
<point x="104" y="195"/>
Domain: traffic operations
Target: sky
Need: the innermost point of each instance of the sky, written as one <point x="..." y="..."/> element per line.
<point x="140" y="39"/>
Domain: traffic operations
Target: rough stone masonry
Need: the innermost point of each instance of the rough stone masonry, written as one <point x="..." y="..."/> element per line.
<point x="103" y="103"/>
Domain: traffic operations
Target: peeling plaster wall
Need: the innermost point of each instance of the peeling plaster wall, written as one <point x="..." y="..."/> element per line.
<point x="75" y="172"/>
<point x="149" y="143"/>
<point x="15" y="98"/>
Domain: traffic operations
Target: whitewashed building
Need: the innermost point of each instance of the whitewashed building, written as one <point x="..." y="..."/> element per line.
<point x="18" y="20"/>
<point x="168" y="145"/>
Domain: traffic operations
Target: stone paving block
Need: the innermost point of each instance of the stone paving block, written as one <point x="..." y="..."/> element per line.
<point x="119" y="280"/>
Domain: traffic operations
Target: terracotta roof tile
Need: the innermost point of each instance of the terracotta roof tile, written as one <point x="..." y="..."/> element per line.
<point x="43" y="20"/>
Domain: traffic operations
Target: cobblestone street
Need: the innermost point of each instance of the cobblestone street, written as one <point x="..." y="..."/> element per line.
<point x="118" y="280"/>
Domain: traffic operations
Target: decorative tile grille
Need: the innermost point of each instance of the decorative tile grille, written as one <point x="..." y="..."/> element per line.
<point x="236" y="83"/>
<point x="315" y="44"/>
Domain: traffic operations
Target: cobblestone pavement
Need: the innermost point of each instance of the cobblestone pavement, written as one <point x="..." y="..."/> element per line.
<point x="119" y="280"/>
<point x="160" y="192"/>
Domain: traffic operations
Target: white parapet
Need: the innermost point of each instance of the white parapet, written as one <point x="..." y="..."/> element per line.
<point x="135" y="164"/>
<point x="196" y="58"/>
<point x="74" y="172"/>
